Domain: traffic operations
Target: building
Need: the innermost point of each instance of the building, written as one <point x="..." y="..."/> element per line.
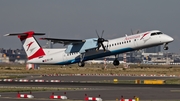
<point x="10" y="55"/>
<point x="155" y="49"/>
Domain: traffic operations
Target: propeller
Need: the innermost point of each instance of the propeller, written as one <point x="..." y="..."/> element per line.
<point x="101" y="40"/>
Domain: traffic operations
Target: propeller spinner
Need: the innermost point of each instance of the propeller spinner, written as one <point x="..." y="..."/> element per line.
<point x="101" y="40"/>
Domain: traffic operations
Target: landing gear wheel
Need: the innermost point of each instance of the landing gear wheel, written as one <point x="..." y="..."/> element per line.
<point x="166" y="48"/>
<point x="116" y="62"/>
<point x="81" y="64"/>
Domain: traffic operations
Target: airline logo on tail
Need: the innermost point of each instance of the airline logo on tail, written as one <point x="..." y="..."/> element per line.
<point x="30" y="45"/>
<point x="33" y="49"/>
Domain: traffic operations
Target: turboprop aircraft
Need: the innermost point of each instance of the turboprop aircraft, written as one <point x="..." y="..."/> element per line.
<point x="79" y="51"/>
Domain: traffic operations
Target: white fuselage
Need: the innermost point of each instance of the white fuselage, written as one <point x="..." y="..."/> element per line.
<point x="113" y="47"/>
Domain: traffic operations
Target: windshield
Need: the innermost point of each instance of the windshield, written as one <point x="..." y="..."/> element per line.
<point x="156" y="33"/>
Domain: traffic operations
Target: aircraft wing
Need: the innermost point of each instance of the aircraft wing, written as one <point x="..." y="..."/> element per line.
<point x="64" y="41"/>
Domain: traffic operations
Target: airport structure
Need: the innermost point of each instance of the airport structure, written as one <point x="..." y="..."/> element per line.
<point x="146" y="56"/>
<point x="155" y="49"/>
<point x="10" y="56"/>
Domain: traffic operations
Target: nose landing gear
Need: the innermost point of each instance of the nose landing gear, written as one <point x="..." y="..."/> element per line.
<point x="165" y="46"/>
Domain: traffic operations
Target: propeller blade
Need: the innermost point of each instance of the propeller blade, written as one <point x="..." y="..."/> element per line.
<point x="98" y="46"/>
<point x="100" y="41"/>
<point x="103" y="46"/>
<point x="97" y="34"/>
<point x="102" y="33"/>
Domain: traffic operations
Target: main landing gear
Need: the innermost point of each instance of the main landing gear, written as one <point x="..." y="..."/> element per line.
<point x="165" y="46"/>
<point x="81" y="63"/>
<point x="116" y="61"/>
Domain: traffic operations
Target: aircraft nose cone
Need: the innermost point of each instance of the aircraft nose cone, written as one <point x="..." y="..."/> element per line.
<point x="170" y="39"/>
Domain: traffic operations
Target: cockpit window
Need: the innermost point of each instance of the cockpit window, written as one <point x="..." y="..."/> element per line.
<point x="153" y="34"/>
<point x="157" y="33"/>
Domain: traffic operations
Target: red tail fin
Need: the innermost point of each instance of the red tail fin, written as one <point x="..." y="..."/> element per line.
<point x="30" y="44"/>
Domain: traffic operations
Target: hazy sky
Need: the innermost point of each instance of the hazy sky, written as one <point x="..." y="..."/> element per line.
<point x="80" y="18"/>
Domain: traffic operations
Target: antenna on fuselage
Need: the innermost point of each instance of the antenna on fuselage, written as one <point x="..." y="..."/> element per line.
<point x="134" y="33"/>
<point x="137" y="31"/>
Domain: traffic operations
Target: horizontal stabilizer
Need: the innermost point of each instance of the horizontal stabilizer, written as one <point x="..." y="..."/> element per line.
<point x="23" y="34"/>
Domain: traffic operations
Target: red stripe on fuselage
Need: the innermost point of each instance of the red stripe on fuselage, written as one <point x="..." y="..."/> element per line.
<point x="144" y="35"/>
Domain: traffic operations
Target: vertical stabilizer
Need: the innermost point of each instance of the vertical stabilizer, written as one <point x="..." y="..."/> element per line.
<point x="30" y="44"/>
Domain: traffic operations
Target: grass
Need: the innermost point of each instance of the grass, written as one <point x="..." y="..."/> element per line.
<point x="28" y="89"/>
<point x="173" y="81"/>
<point x="91" y="69"/>
<point x="10" y="77"/>
<point x="20" y="90"/>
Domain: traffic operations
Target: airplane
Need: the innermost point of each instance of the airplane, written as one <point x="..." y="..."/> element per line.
<point x="79" y="51"/>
